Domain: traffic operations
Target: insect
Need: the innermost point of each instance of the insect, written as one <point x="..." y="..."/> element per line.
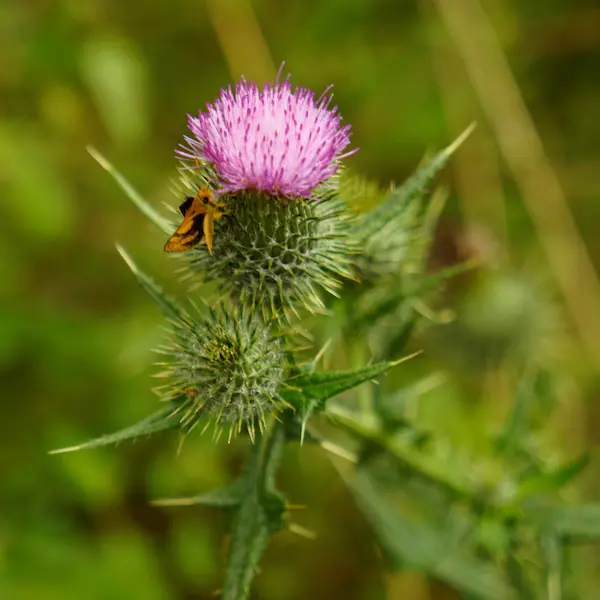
<point x="199" y="216"/>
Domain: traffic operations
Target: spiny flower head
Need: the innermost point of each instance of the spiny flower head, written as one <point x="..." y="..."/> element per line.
<point x="279" y="140"/>
<point x="274" y="255"/>
<point x="226" y="365"/>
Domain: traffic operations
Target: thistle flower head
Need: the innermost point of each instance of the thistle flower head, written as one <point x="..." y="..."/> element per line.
<point x="279" y="140"/>
<point x="269" y="154"/>
<point x="225" y="365"/>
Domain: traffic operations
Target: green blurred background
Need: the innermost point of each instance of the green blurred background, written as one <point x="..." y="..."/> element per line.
<point x="76" y="332"/>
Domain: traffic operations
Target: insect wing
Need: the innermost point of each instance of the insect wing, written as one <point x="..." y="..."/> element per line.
<point x="190" y="232"/>
<point x="186" y="205"/>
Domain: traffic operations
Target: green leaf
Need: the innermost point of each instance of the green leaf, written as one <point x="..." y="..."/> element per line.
<point x="116" y="75"/>
<point x="430" y="549"/>
<point x="394" y="207"/>
<point x="168" y="306"/>
<point x="563" y="475"/>
<point x="256" y="507"/>
<point x="427" y="467"/>
<point x="308" y="390"/>
<point x="146" y="209"/>
<point x="315" y="388"/>
<point x="259" y="515"/>
<point x="575" y="523"/>
<point x="165" y="418"/>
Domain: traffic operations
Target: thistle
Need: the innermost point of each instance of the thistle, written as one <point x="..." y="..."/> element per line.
<point x="272" y="155"/>
<point x="260" y="175"/>
<point x="225" y="365"/>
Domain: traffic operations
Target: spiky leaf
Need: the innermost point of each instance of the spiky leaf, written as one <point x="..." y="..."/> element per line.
<point x="166" y="418"/>
<point x="225" y="497"/>
<point x="308" y="390"/>
<point x="258" y="516"/>
<point x="413" y="544"/>
<point x="387" y="235"/>
<point x="427" y="467"/>
<point x="256" y="508"/>
<point x="168" y="306"/>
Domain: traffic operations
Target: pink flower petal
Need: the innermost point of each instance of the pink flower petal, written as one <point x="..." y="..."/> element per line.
<point x="279" y="140"/>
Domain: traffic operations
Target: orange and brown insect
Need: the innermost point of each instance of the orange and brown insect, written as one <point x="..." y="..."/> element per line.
<point x="199" y="216"/>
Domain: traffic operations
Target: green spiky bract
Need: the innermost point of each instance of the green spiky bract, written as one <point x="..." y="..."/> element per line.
<point x="274" y="254"/>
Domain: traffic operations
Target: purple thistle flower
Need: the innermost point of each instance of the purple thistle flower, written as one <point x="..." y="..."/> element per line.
<point x="278" y="140"/>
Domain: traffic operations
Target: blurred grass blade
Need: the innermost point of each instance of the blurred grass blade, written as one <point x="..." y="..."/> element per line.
<point x="411" y="544"/>
<point x="146" y="209"/>
<point x="552" y="548"/>
<point x="394" y="407"/>
<point x="169" y="307"/>
<point x="164" y="419"/>
<point x="116" y="75"/>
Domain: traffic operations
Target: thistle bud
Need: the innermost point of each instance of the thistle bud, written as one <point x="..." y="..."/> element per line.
<point x="225" y="365"/>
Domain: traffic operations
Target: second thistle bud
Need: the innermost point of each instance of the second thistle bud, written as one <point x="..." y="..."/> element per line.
<point x="225" y="366"/>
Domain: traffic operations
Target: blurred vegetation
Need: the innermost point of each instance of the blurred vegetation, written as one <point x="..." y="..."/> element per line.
<point x="76" y="332"/>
